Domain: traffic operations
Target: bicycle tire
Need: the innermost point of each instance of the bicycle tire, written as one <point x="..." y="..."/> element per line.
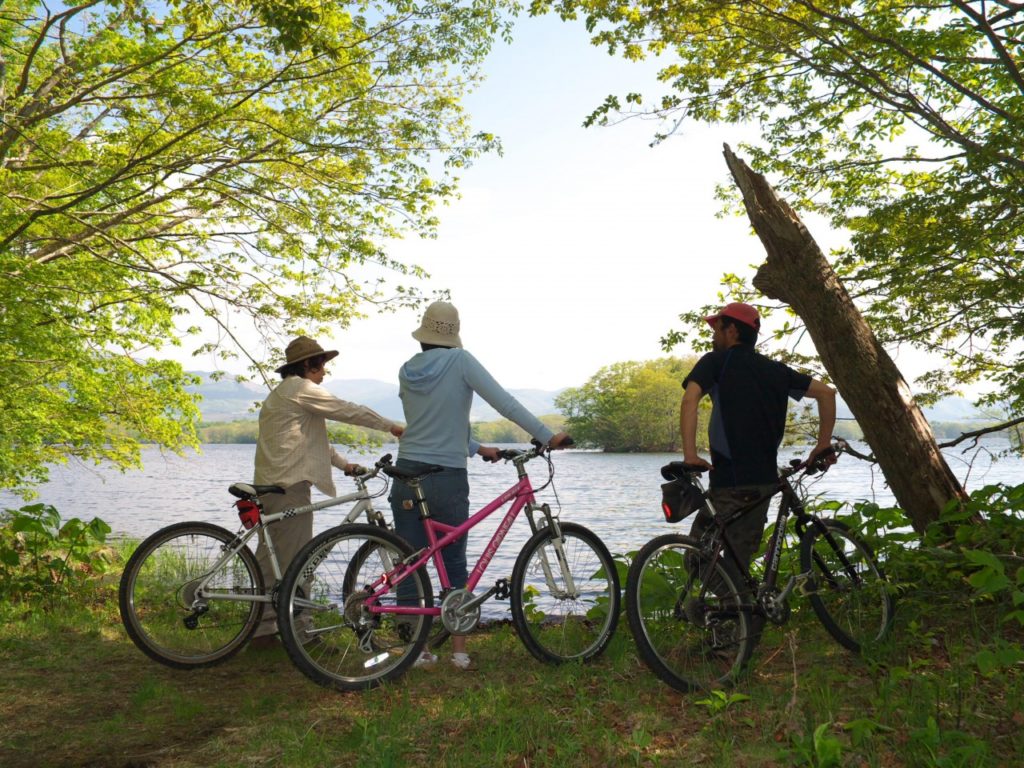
<point x="849" y="593"/>
<point x="330" y="637"/>
<point x="692" y="638"/>
<point x="553" y="625"/>
<point x="154" y="601"/>
<point x="439" y="634"/>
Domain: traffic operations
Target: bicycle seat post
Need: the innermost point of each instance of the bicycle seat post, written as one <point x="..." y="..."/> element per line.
<point x="419" y="499"/>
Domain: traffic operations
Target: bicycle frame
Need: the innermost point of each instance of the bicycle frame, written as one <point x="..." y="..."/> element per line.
<point x="790" y="505"/>
<point x="363" y="504"/>
<point x="440" y="535"/>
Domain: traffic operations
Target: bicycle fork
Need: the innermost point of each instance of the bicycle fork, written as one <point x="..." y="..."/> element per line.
<point x="570" y="592"/>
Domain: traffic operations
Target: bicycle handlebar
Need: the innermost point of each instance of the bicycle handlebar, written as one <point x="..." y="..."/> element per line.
<point x="538" y="449"/>
<point x="370" y="472"/>
<point x="820" y="463"/>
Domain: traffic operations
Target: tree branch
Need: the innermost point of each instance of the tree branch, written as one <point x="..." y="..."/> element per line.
<point x="980" y="432"/>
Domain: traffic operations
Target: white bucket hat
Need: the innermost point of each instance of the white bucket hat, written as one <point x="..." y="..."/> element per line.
<point x="440" y="326"/>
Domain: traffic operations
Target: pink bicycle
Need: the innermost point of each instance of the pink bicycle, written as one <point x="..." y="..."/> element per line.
<point x="346" y="626"/>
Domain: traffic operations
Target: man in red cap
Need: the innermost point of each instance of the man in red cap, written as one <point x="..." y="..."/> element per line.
<point x="749" y="401"/>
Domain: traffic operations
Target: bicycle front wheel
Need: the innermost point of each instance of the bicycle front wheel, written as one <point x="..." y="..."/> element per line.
<point x="690" y="625"/>
<point x="328" y="624"/>
<point x="565" y="595"/>
<point x="847" y="588"/>
<point x="161" y="610"/>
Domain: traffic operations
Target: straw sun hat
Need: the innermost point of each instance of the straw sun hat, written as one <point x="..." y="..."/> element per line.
<point x="440" y="326"/>
<point x="302" y="348"/>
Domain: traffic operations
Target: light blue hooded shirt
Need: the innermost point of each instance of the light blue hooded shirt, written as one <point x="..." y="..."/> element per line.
<point x="437" y="389"/>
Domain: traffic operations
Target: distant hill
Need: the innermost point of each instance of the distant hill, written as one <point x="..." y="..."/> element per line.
<point x="948" y="409"/>
<point x="227" y="400"/>
<point x="231" y="401"/>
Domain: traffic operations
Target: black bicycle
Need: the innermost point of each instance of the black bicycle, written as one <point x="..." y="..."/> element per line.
<point x="696" y="612"/>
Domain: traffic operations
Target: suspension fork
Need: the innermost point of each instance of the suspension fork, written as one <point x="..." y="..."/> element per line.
<point x="550" y="522"/>
<point x="848" y="567"/>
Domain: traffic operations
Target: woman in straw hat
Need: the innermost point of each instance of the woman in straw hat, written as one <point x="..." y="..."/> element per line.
<point x="437" y="387"/>
<point x="293" y="451"/>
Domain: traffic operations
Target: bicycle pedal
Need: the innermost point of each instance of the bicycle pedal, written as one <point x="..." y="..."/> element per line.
<point x="807" y="587"/>
<point x="502" y="591"/>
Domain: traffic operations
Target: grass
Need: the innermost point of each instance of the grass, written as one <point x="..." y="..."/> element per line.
<point x="75" y="692"/>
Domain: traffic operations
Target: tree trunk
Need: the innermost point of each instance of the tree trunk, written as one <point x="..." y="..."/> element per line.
<point x="797" y="273"/>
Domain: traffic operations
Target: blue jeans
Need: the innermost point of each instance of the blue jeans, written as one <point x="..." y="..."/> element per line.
<point x="447" y="495"/>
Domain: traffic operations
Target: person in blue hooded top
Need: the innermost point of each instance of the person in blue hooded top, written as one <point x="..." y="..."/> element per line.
<point x="436" y="388"/>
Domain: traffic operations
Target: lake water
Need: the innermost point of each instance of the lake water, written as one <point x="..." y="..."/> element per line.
<point x="615" y="495"/>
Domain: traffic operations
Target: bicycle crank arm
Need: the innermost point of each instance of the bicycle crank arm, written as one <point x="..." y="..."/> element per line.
<point x="476" y="602"/>
<point x="795" y="582"/>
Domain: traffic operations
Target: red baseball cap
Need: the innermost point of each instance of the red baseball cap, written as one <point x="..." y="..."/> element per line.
<point x="744" y="313"/>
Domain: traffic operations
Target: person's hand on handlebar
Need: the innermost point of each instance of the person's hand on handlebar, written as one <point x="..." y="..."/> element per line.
<point x="561" y="440"/>
<point x="488" y="452"/>
<point x="397" y="430"/>
<point x="822" y="456"/>
<point x="354" y="469"/>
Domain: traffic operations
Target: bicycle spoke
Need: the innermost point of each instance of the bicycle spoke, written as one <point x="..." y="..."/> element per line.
<point x="159" y="599"/>
<point x="341" y="643"/>
<point x="565" y="595"/>
<point x="848" y="590"/>
<point x="694" y="634"/>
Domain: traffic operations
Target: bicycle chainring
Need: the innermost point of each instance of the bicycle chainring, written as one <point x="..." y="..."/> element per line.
<point x="455" y="619"/>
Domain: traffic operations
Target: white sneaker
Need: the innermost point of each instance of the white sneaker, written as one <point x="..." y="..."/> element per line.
<point x="461" y="660"/>
<point x="426" y="659"/>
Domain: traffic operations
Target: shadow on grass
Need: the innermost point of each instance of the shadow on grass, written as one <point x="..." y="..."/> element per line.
<point x="76" y="692"/>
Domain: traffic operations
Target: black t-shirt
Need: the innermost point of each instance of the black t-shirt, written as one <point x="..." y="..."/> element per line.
<point x="748" y="415"/>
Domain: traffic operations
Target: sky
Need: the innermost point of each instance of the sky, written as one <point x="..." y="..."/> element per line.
<point x="579" y="247"/>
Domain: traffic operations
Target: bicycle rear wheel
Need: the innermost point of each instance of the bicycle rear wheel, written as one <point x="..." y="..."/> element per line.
<point x="848" y="590"/>
<point x="558" y="621"/>
<point x="331" y="635"/>
<point x="157" y="596"/>
<point x="690" y="627"/>
<point x="438" y="634"/>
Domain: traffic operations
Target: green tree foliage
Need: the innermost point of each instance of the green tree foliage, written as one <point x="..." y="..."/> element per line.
<point x="632" y="406"/>
<point x="163" y="162"/>
<point x="901" y="121"/>
<point x="246" y="432"/>
<point x="505" y="431"/>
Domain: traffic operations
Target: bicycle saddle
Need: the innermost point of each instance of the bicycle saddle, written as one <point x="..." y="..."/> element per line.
<point x="406" y="476"/>
<point x="248" y="490"/>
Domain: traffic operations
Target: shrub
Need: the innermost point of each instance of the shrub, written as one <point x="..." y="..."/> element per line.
<point x="41" y="557"/>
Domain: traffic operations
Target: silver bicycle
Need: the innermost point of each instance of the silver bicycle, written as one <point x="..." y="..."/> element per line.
<point x="192" y="593"/>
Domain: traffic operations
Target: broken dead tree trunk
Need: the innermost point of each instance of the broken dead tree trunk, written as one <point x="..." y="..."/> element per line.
<point x="797" y="273"/>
